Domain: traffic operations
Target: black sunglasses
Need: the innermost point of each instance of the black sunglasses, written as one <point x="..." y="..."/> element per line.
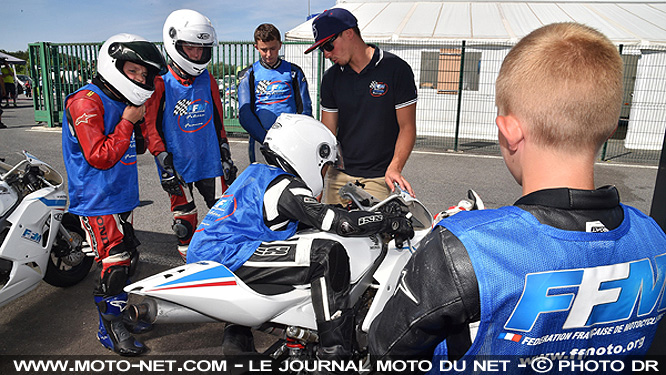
<point x="328" y="46"/>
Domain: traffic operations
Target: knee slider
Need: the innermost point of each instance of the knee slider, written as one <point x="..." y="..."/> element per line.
<point x="182" y="228"/>
<point x="115" y="273"/>
<point x="114" y="279"/>
<point x="339" y="267"/>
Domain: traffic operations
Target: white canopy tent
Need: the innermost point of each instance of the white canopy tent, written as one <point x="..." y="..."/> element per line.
<point x="639" y="26"/>
<point x="11" y="59"/>
<point x="627" y="22"/>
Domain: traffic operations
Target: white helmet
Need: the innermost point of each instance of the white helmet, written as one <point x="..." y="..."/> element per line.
<point x="128" y="47"/>
<point x="301" y="145"/>
<point x="186" y="26"/>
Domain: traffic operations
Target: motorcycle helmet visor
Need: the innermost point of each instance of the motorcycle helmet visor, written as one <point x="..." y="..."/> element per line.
<point x="206" y="53"/>
<point x="140" y="52"/>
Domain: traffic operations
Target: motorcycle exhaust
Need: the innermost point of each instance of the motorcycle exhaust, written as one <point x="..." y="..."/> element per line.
<point x="159" y="311"/>
<point x="302" y="334"/>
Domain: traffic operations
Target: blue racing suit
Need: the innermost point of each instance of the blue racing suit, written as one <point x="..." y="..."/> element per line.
<point x="574" y="284"/>
<point x="264" y="93"/>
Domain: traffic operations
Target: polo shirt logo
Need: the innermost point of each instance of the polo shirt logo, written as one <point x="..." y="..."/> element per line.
<point x="378" y="88"/>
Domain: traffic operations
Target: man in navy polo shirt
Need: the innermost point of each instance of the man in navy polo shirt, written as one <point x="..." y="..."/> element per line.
<point x="368" y="100"/>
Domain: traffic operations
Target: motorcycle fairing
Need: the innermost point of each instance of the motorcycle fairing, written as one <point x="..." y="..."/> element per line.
<point x="54" y="202"/>
<point x="215" y="276"/>
<point x="27" y="256"/>
<point x="212" y="289"/>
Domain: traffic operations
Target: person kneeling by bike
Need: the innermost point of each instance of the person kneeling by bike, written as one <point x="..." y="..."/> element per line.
<point x="249" y="230"/>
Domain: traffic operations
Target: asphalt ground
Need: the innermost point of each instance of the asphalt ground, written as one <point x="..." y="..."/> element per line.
<point x="63" y="321"/>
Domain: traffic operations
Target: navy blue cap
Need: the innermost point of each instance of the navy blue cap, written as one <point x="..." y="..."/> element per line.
<point x="329" y="23"/>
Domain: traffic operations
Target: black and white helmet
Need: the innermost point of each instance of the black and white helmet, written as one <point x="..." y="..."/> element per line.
<point x="301" y="145"/>
<point x="129" y="47"/>
<point x="188" y="27"/>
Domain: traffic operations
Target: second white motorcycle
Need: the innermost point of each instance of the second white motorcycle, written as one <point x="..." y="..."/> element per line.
<point x="38" y="238"/>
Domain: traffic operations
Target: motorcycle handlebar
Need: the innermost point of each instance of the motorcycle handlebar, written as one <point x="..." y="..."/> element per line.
<point x="361" y="198"/>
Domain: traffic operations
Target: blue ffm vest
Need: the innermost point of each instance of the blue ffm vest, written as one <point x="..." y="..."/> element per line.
<point x="565" y="294"/>
<point x="92" y="191"/>
<point x="274" y="92"/>
<point x="234" y="227"/>
<point x="189" y="128"/>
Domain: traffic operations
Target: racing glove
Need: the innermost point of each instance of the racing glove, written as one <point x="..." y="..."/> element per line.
<point x="170" y="182"/>
<point x="399" y="226"/>
<point x="228" y="167"/>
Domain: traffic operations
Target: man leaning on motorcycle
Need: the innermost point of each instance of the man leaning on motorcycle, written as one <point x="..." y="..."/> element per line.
<point x="265" y="206"/>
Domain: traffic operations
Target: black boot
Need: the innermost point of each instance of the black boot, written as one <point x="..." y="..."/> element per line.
<point x="112" y="331"/>
<point x="336" y="338"/>
<point x="237" y="340"/>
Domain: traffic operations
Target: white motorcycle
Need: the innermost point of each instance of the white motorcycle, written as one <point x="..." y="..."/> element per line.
<point x="209" y="292"/>
<point x="38" y="239"/>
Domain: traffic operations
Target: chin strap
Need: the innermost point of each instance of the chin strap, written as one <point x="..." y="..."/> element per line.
<point x="185" y="76"/>
<point x="108" y="89"/>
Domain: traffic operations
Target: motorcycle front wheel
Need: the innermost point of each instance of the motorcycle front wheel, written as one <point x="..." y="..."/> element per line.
<point x="67" y="266"/>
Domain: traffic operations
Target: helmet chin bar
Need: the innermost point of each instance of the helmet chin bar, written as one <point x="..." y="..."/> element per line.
<point x="276" y="160"/>
<point x="142" y="95"/>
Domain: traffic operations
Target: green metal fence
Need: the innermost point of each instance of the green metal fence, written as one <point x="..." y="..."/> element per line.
<point x="455" y="81"/>
<point x="58" y="70"/>
<point x="456" y="108"/>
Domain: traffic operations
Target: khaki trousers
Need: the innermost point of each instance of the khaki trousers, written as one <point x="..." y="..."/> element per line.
<point x="336" y="179"/>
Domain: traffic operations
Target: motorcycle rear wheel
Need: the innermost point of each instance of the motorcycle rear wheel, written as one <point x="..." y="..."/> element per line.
<point x="67" y="266"/>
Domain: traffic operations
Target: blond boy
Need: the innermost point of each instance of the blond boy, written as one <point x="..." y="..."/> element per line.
<point x="566" y="256"/>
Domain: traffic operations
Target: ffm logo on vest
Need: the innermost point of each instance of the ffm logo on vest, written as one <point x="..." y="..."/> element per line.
<point x="589" y="296"/>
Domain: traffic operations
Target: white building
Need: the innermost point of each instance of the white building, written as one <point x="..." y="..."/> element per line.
<point x="429" y="35"/>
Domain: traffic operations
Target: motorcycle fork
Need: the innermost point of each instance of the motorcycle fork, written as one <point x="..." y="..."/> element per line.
<point x="71" y="241"/>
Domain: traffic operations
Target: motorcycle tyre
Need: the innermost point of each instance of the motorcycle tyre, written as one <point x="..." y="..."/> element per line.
<point x="64" y="278"/>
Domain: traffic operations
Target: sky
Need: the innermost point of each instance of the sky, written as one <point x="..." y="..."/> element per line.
<point x="79" y="21"/>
